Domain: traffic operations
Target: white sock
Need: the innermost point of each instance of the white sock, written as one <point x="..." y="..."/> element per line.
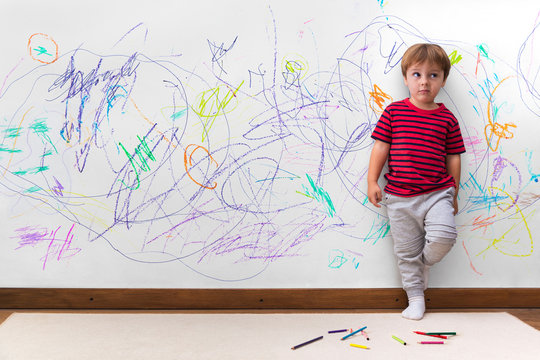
<point x="426" y="276"/>
<point x="416" y="308"/>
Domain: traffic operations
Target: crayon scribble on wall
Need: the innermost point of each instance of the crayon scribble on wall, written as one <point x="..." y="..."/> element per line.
<point x="214" y="168"/>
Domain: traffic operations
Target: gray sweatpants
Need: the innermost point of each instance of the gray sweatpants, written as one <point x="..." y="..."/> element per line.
<point x="424" y="230"/>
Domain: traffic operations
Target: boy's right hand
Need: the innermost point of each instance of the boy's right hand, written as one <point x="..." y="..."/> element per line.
<point x="374" y="194"/>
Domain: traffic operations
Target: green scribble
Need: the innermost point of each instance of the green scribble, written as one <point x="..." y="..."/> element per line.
<point x="455" y="57"/>
<point x="178" y="114"/>
<point x="484" y="51"/>
<point x="33" y="171"/>
<point x="38" y="169"/>
<point x="306" y="195"/>
<point x="5" y="149"/>
<point x="33" y="189"/>
<point x="337" y="260"/>
<point x="142" y="151"/>
<point x="42" y="51"/>
<point x="318" y="193"/>
<point x="377" y="231"/>
<point x="12" y="132"/>
<point x="40" y="128"/>
<point x="211" y="105"/>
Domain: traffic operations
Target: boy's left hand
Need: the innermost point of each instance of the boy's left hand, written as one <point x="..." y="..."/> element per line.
<point x="455" y="205"/>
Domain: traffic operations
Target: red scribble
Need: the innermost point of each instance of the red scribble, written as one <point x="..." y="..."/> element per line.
<point x="477" y="63"/>
<point x="479" y="223"/>
<point x="470" y="261"/>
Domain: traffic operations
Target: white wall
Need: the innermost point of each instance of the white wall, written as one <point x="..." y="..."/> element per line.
<point x="246" y="131"/>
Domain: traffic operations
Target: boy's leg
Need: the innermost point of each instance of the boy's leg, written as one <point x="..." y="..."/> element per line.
<point x="440" y="226"/>
<point x="406" y="226"/>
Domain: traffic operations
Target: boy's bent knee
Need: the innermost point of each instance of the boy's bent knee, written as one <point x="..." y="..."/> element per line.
<point x="436" y="251"/>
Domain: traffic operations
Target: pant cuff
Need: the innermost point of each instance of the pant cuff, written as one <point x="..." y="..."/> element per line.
<point x="414" y="292"/>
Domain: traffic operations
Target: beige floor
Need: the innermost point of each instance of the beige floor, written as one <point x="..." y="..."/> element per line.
<point x="268" y="336"/>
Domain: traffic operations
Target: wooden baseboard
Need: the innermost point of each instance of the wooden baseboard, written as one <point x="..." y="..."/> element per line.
<point x="60" y="298"/>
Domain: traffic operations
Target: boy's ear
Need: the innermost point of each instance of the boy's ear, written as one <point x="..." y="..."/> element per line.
<point x="405" y="80"/>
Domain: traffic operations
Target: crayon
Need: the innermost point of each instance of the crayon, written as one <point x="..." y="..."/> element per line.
<point x="431" y="342"/>
<point x="354" y="332"/>
<point x="399" y="340"/>
<point x="360" y="346"/>
<point x="306" y="343"/>
<point x="365" y="334"/>
<point x="426" y="334"/>
<point x="337" y="331"/>
<point x="442" y="333"/>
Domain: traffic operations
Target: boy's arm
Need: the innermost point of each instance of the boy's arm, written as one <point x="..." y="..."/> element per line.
<point x="453" y="166"/>
<point x="378" y="157"/>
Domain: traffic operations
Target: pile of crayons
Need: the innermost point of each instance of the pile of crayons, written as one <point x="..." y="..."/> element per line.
<point x="435" y="335"/>
<point x="351" y="331"/>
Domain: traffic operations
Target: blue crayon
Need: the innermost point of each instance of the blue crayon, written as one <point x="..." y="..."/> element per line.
<point x="354" y="332"/>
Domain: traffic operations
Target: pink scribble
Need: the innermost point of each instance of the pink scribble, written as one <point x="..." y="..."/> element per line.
<point x="470" y="260"/>
<point x="475" y="145"/>
<point x="7" y="76"/>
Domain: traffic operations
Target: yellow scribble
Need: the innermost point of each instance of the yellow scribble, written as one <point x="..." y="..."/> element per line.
<point x="501" y="241"/>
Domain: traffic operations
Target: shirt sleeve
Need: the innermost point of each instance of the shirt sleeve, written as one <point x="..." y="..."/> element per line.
<point x="454" y="140"/>
<point x="383" y="129"/>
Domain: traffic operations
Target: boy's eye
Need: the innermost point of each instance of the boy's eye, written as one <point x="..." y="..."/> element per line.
<point x="434" y="75"/>
<point x="416" y="74"/>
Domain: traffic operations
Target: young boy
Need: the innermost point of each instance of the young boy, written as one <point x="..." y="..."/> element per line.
<point x="422" y="141"/>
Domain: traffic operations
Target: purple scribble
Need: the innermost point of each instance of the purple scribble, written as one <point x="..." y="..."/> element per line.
<point x="58" y="188"/>
<point x="60" y="248"/>
<point x="129" y="32"/>
<point x="31" y="236"/>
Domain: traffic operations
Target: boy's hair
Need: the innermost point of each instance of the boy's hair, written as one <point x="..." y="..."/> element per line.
<point x="432" y="53"/>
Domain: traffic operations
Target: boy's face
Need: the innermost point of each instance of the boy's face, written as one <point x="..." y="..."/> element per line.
<point x="424" y="81"/>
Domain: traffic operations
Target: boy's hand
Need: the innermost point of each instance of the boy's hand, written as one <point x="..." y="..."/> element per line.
<point x="455" y="205"/>
<point x="374" y="194"/>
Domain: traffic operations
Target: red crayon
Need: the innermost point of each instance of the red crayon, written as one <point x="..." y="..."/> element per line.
<point x="437" y="336"/>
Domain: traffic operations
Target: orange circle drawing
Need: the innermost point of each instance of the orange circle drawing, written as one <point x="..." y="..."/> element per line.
<point x="188" y="155"/>
<point x="43" y="48"/>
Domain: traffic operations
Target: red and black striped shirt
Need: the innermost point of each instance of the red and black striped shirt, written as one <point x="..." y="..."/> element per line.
<point x="419" y="142"/>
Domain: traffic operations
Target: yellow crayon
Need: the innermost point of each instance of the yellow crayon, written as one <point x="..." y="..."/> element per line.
<point x="360" y="346"/>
